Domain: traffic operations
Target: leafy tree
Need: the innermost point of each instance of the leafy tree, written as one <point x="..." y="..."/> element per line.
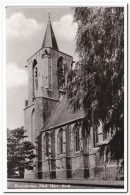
<point x="97" y="84"/>
<point x="19" y="152"/>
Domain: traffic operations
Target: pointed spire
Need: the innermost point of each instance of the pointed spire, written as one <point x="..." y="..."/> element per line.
<point x="49" y="38"/>
<point x="49" y="18"/>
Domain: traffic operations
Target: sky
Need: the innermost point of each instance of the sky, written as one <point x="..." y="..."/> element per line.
<point x="25" y="28"/>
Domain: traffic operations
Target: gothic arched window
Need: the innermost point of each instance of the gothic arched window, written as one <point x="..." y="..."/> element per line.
<point x="68" y="140"/>
<point x="95" y="136"/>
<point x="36" y="72"/>
<point x="33" y="124"/>
<point x="76" y="138"/>
<point x="46" y="140"/>
<point x="60" y="73"/>
<point x="53" y="144"/>
<point x="35" y="75"/>
<point x="60" y="141"/>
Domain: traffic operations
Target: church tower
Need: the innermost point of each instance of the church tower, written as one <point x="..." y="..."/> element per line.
<point x="47" y="78"/>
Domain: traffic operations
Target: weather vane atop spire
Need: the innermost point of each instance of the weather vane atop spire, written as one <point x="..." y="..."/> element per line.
<point x="49" y="15"/>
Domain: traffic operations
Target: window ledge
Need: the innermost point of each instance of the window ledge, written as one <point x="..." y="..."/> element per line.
<point x="61" y="155"/>
<point x="93" y="151"/>
<point x="104" y="142"/>
<point x="96" y="148"/>
<point x="77" y="152"/>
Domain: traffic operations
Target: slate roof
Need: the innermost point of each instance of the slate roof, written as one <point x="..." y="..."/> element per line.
<point x="49" y="38"/>
<point x="62" y="114"/>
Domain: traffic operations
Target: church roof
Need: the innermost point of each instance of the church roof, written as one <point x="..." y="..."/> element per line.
<point x="49" y="38"/>
<point x="62" y="114"/>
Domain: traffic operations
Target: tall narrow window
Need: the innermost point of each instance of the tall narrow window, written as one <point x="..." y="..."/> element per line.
<point x="77" y="139"/>
<point x="36" y="77"/>
<point x="53" y="144"/>
<point x="60" y="73"/>
<point x="47" y="144"/>
<point x="53" y="160"/>
<point x="32" y="125"/>
<point x="34" y="74"/>
<point x="95" y="136"/>
<point x="60" y="143"/>
<point x="68" y="141"/>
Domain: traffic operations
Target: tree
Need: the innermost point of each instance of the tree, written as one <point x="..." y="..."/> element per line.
<point x="97" y="84"/>
<point x="19" y="152"/>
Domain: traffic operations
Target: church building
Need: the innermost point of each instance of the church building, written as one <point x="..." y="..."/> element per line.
<point x="55" y="130"/>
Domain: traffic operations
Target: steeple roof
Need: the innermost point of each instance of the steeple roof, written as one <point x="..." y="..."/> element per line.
<point x="49" y="38"/>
